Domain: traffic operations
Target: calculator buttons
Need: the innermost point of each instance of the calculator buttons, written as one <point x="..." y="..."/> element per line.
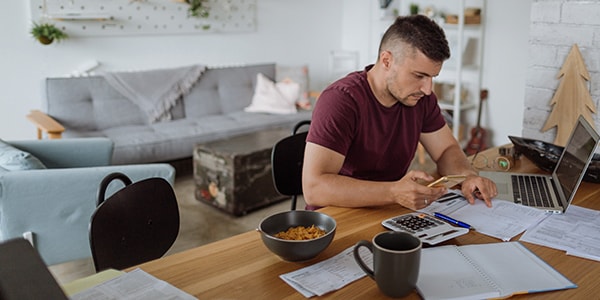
<point x="427" y="228"/>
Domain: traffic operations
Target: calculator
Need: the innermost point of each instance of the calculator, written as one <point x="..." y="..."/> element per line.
<point x="428" y="229"/>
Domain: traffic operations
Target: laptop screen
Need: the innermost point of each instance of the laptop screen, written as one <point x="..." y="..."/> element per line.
<point x="575" y="158"/>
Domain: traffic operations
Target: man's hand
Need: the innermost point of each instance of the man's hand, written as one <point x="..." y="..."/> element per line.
<point x="411" y="193"/>
<point x="479" y="187"/>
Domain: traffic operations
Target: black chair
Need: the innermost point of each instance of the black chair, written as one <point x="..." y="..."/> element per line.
<point x="287" y="158"/>
<point x="138" y="223"/>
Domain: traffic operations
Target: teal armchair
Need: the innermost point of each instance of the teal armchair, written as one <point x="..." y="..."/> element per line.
<point x="52" y="207"/>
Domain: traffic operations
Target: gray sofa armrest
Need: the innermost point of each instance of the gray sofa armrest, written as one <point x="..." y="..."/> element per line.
<point x="56" y="205"/>
<point x="69" y="153"/>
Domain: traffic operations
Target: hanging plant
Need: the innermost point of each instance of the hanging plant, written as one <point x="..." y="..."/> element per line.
<point x="198" y="8"/>
<point x="47" y="33"/>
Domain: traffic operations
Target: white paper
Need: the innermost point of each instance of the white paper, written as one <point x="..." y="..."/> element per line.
<point x="577" y="232"/>
<point x="504" y="220"/>
<point x="328" y="275"/>
<point x="136" y="284"/>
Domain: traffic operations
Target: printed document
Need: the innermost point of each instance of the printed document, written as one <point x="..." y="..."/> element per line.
<point x="329" y="275"/>
<point x="136" y="284"/>
<point x="504" y="220"/>
<point x="577" y="231"/>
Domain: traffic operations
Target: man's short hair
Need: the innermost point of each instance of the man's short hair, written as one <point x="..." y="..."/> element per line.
<point x="417" y="31"/>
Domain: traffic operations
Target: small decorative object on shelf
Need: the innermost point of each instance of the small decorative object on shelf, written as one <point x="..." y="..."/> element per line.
<point x="472" y="16"/>
<point x="47" y="33"/>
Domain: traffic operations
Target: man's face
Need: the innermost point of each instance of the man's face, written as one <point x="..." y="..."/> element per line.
<point x="410" y="78"/>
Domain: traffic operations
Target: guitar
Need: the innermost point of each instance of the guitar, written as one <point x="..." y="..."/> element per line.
<point x="477" y="141"/>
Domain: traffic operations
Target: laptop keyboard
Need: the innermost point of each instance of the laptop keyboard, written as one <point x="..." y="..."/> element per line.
<point x="531" y="190"/>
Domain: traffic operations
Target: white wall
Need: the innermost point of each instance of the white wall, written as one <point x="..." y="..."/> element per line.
<point x="505" y="63"/>
<point x="288" y="32"/>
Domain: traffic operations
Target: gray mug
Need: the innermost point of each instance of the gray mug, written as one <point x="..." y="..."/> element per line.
<point x="396" y="261"/>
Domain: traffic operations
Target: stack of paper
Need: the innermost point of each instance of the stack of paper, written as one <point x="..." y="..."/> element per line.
<point x="577" y="232"/>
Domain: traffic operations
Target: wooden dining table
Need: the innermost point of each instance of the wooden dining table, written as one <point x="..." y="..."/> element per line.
<point x="241" y="267"/>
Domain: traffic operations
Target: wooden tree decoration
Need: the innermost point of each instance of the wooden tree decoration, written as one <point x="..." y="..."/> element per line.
<point x="571" y="99"/>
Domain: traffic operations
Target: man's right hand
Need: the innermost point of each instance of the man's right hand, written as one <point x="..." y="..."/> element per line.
<point x="411" y="193"/>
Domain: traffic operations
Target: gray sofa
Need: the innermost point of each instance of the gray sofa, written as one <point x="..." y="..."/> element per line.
<point x="212" y="110"/>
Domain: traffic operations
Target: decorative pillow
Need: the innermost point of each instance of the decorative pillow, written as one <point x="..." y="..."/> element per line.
<point x="274" y="98"/>
<point x="13" y="159"/>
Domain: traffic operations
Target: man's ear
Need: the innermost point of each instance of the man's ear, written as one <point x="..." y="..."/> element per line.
<point x="386" y="59"/>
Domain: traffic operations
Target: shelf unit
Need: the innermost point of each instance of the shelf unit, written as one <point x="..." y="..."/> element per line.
<point x="93" y="18"/>
<point x="463" y="69"/>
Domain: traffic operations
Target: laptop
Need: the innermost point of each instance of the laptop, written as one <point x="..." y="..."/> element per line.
<point x="554" y="192"/>
<point x="23" y="274"/>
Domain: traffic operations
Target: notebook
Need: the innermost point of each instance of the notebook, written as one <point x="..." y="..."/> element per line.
<point x="24" y="275"/>
<point x="483" y="271"/>
<point x="554" y="192"/>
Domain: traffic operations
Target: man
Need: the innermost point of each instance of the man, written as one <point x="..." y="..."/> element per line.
<point x="366" y="127"/>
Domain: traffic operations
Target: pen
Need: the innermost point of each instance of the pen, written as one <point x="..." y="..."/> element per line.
<point x="453" y="221"/>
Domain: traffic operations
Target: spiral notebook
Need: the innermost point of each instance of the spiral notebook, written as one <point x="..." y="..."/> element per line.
<point x="496" y="270"/>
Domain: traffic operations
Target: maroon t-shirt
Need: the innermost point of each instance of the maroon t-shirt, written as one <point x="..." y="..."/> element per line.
<point x="378" y="142"/>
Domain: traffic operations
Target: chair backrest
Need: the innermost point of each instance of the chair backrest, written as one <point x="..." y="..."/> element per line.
<point x="287" y="158"/>
<point x="136" y="224"/>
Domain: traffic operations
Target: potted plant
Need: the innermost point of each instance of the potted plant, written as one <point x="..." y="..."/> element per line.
<point x="198" y="8"/>
<point x="414" y="8"/>
<point x="47" y="33"/>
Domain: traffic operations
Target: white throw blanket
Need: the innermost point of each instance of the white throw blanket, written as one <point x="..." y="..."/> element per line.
<point x="155" y="91"/>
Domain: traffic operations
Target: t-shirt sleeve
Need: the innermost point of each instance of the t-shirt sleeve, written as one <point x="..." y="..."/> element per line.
<point x="333" y="121"/>
<point x="433" y="115"/>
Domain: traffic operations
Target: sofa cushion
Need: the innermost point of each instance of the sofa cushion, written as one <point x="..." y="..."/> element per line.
<point x="224" y="90"/>
<point x="13" y="159"/>
<point x="69" y="101"/>
<point x="274" y="97"/>
<point x="202" y="100"/>
<point x="111" y="109"/>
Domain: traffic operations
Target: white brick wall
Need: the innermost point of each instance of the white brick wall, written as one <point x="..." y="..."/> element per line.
<point x="555" y="26"/>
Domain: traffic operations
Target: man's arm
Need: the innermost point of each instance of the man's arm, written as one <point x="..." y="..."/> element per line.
<point x="323" y="186"/>
<point x="451" y="160"/>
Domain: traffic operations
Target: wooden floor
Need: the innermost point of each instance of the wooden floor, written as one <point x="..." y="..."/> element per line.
<point x="200" y="223"/>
